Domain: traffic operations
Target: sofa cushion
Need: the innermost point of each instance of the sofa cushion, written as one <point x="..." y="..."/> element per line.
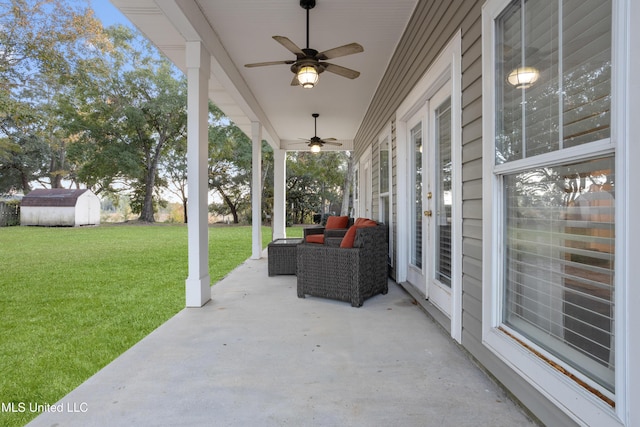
<point x="337" y="222"/>
<point x="315" y="238"/>
<point x="359" y="221"/>
<point x="350" y="236"/>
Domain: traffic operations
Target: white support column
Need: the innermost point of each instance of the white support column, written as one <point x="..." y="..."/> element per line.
<point x="279" y="219"/>
<point x="198" y="286"/>
<point x="256" y="190"/>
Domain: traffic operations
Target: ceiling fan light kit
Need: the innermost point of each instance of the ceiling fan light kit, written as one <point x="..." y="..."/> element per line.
<point x="307" y="66"/>
<point x="523" y="77"/>
<point x="316" y="143"/>
<point x="307" y="76"/>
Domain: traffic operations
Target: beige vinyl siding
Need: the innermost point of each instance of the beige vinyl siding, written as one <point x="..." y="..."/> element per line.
<point x="431" y="27"/>
<point x="426" y="34"/>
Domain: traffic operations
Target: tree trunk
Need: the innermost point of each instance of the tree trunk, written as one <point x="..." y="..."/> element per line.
<point x="146" y="213"/>
<point x="184" y="209"/>
<point x="56" y="168"/>
<point x="232" y="207"/>
<point x="26" y="186"/>
<point x="234" y="212"/>
<point x="264" y="176"/>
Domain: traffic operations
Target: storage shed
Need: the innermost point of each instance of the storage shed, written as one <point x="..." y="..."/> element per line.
<point x="60" y="207"/>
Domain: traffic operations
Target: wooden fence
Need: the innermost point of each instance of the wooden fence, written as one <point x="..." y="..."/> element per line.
<point x="9" y="213"/>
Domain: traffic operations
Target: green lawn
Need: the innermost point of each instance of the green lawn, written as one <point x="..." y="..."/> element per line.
<point x="73" y="299"/>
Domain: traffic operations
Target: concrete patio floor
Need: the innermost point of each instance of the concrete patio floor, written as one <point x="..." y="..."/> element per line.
<point x="257" y="355"/>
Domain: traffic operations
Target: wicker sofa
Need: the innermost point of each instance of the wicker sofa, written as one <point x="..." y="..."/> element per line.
<point x="345" y="274"/>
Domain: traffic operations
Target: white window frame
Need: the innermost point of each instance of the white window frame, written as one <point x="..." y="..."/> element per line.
<point x="386" y="134"/>
<point x="576" y="401"/>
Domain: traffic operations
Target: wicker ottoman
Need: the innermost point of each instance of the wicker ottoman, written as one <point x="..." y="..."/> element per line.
<point x="282" y="256"/>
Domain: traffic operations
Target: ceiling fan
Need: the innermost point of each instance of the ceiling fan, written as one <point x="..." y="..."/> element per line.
<point x="316" y="143"/>
<point x="309" y="63"/>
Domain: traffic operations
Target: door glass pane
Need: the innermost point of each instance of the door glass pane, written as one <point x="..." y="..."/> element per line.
<point x="416" y="214"/>
<point x="443" y="193"/>
<point x="356" y="192"/>
<point x="559" y="271"/>
<point x="384" y="166"/>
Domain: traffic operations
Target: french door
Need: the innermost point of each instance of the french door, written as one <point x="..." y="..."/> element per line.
<point x="429" y="134"/>
<point x="440" y="201"/>
<point x="418" y="225"/>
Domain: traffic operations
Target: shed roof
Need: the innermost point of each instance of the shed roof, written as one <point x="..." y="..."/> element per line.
<point x="58" y="197"/>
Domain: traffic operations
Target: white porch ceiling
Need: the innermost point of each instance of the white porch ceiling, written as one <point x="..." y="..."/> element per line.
<point x="237" y="32"/>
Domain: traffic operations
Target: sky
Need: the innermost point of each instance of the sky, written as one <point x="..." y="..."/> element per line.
<point x="108" y="13"/>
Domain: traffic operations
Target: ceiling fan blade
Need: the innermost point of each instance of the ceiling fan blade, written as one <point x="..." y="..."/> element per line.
<point x="336" y="52"/>
<point x="341" y="71"/>
<point x="291" y="46"/>
<point x="337" y="144"/>
<point x="329" y="139"/>
<point x="295" y="81"/>
<point x="262" y="64"/>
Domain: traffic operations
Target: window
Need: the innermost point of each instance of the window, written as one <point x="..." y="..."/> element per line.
<point x="565" y="48"/>
<point x="552" y="184"/>
<point x="385" y="171"/>
<point x="559" y="258"/>
<point x="356" y="190"/>
<point x="385" y="213"/>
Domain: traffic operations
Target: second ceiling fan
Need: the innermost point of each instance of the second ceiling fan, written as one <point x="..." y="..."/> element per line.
<point x="309" y="63"/>
<point x="315" y="143"/>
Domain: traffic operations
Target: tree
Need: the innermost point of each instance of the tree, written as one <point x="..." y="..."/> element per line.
<point x="21" y="162"/>
<point x="229" y="163"/>
<point x="102" y="155"/>
<point x="156" y="118"/>
<point x="129" y="117"/>
<point x="315" y="183"/>
<point x="174" y="166"/>
<point x="42" y="43"/>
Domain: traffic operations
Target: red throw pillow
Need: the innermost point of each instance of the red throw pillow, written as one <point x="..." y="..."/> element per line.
<point x="359" y="221"/>
<point x="350" y="236"/>
<point x="315" y="238"/>
<point x="337" y="222"/>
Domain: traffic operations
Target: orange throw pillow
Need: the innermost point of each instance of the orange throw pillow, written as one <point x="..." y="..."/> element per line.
<point x="350" y="236"/>
<point x="337" y="222"/>
<point x="315" y="238"/>
<point x="360" y="221"/>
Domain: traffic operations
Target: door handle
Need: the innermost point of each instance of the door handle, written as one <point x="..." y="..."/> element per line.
<point x="428" y="213"/>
